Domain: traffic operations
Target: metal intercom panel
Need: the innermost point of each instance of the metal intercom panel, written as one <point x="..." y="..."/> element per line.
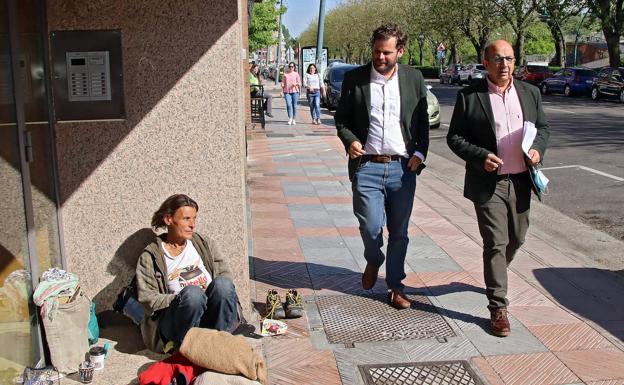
<point x="88" y="75"/>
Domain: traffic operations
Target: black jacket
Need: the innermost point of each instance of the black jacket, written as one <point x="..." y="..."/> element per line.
<point x="472" y="133"/>
<point x="353" y="113"/>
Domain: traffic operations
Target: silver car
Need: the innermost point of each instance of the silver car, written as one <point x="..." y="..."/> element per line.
<point x="471" y="72"/>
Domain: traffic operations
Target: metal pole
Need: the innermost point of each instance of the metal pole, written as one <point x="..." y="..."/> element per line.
<point x="279" y="45"/>
<point x="578" y="27"/>
<point x="319" y="37"/>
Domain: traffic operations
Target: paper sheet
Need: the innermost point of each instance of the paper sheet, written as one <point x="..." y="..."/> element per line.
<point x="528" y="136"/>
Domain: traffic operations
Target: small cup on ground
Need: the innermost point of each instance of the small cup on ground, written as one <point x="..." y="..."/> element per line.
<point x="85" y="370"/>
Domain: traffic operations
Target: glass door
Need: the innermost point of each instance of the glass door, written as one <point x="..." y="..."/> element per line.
<point x="29" y="235"/>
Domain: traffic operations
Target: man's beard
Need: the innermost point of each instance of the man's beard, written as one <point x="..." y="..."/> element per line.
<point x="386" y="69"/>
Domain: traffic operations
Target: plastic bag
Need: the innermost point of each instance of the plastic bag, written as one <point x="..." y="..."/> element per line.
<point x="92" y="326"/>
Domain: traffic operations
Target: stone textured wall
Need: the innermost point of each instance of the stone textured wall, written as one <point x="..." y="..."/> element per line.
<point x="184" y="133"/>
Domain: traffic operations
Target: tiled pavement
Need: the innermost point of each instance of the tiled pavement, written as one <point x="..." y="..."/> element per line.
<point x="567" y="319"/>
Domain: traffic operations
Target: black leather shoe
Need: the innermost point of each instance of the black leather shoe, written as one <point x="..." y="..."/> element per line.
<point x="369" y="277"/>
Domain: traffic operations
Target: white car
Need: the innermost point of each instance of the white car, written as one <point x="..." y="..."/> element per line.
<point x="433" y="109"/>
<point x="470" y="72"/>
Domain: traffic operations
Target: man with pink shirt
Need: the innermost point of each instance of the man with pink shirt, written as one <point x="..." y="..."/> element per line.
<point x="486" y="131"/>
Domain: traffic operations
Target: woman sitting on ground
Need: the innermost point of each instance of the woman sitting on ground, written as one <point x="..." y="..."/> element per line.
<point x="183" y="281"/>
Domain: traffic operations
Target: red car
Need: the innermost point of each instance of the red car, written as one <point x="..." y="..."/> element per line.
<point x="534" y="74"/>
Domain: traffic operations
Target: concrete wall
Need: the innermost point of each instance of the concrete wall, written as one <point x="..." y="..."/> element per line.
<point x="184" y="133"/>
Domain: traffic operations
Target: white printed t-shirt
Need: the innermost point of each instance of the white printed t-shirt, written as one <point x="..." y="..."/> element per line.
<point x="187" y="269"/>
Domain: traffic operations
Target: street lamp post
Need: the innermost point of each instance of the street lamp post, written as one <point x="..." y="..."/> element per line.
<point x="576" y="37"/>
<point x="279" y="45"/>
<point x="319" y="37"/>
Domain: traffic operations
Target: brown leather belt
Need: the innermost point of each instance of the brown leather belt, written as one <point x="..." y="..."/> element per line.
<point x="380" y="158"/>
<point x="512" y="176"/>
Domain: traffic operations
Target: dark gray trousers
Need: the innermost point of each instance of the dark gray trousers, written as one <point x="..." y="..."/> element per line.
<point x="503" y="224"/>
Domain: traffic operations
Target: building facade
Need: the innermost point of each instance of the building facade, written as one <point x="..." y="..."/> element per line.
<point x="82" y="170"/>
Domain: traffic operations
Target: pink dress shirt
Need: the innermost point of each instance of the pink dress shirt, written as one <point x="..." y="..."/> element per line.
<point x="509" y="122"/>
<point x="289" y="81"/>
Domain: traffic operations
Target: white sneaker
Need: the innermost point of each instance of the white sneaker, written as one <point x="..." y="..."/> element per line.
<point x="290" y="121"/>
<point x="293" y="123"/>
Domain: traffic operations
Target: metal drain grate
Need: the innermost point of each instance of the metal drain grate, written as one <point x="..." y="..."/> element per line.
<point x="440" y="373"/>
<point x="349" y="318"/>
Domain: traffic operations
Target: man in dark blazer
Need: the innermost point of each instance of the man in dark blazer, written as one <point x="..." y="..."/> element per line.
<point x="383" y="123"/>
<point x="486" y="130"/>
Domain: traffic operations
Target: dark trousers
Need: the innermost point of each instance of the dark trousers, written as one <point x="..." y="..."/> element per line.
<point x="192" y="307"/>
<point x="268" y="104"/>
<point x="503" y="224"/>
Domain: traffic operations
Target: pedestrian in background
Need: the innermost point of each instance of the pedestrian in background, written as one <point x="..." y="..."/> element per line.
<point x="291" y="87"/>
<point x="383" y="123"/>
<point x="486" y="131"/>
<point x="256" y="80"/>
<point x="314" y="86"/>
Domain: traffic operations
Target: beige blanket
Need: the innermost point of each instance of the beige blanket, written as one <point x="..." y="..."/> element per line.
<point x="214" y="378"/>
<point x="224" y="353"/>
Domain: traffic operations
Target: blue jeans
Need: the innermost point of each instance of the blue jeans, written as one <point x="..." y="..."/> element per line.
<point x="217" y="308"/>
<point x="384" y="192"/>
<point x="291" y="104"/>
<point x="314" y="100"/>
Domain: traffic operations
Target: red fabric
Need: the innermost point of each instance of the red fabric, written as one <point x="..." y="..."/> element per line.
<point x="162" y="372"/>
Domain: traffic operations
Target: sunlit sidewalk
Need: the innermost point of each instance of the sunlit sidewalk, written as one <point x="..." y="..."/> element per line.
<point x="567" y="319"/>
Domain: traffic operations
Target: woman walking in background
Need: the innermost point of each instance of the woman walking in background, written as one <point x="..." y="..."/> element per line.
<point x="291" y="86"/>
<point x="313" y="84"/>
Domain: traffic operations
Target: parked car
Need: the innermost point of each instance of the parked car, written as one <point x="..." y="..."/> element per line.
<point x="534" y="74"/>
<point x="569" y="81"/>
<point x="333" y="62"/>
<point x="610" y="83"/>
<point x="433" y="109"/>
<point x="450" y="75"/>
<point x="471" y="72"/>
<point x="333" y="84"/>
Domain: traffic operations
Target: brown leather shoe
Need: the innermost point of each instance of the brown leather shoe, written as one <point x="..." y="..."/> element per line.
<point x="369" y="277"/>
<point x="499" y="324"/>
<point x="398" y="300"/>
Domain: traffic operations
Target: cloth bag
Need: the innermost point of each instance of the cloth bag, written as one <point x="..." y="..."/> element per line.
<point x="222" y="352"/>
<point x="67" y="334"/>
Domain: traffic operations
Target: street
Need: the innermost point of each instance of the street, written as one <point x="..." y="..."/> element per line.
<point x="584" y="161"/>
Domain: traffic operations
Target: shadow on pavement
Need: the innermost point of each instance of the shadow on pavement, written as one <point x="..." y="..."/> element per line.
<point x="594" y="294"/>
<point x="284" y="275"/>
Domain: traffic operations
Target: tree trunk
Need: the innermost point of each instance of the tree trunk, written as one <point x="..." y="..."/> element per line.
<point x="453" y="56"/>
<point x="420" y="52"/>
<point x="557" y="35"/>
<point x="519" y="47"/>
<point x="613" y="45"/>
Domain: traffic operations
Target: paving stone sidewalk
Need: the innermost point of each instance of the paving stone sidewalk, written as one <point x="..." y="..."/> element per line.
<point x="567" y="318"/>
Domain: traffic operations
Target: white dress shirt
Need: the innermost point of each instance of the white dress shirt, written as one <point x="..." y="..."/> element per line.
<point x="384" y="133"/>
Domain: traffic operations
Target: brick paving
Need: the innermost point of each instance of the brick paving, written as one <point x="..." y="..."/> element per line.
<point x="567" y="319"/>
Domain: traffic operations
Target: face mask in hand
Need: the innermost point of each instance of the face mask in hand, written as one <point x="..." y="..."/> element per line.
<point x="539" y="179"/>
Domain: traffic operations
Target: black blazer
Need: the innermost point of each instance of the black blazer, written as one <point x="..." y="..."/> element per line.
<point x="472" y="133"/>
<point x="353" y="113"/>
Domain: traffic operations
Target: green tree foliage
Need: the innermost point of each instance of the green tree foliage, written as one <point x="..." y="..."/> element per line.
<point x="555" y="13"/>
<point x="464" y="26"/>
<point x="519" y="14"/>
<point x="263" y="25"/>
<point x="539" y="40"/>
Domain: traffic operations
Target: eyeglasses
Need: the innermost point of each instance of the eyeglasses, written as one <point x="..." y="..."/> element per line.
<point x="291" y="66"/>
<point x="500" y="59"/>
